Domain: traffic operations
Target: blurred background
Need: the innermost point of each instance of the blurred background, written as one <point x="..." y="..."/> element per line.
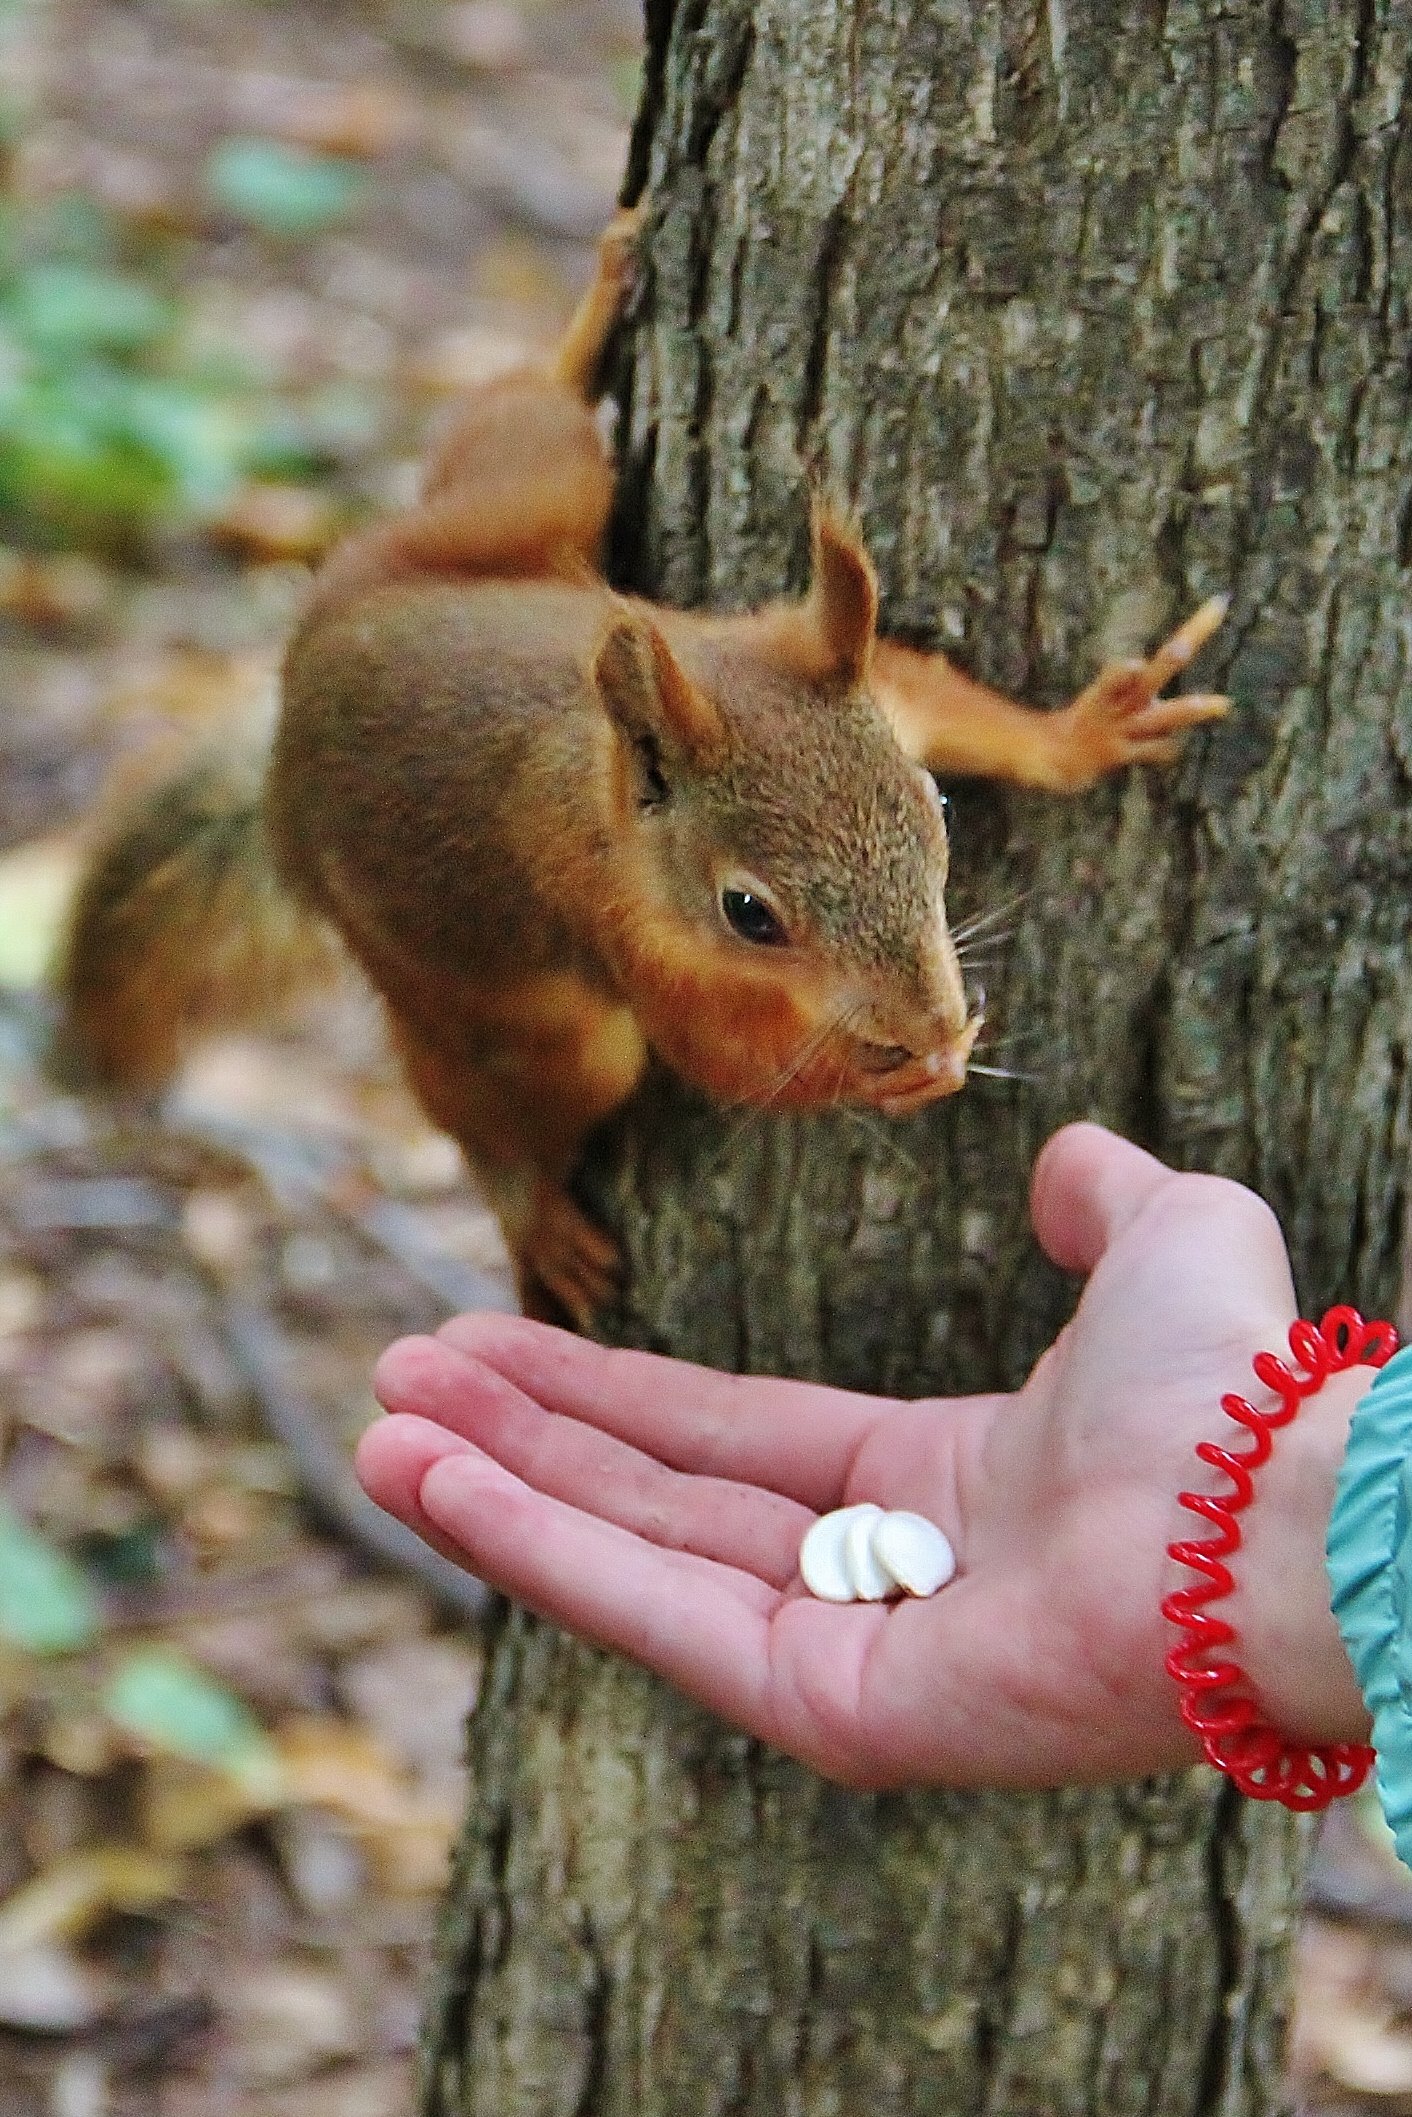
<point x="249" y="253"/>
<point x="250" y="250"/>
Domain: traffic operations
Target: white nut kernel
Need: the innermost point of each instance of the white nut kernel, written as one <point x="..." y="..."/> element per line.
<point x="912" y="1552"/>
<point x="870" y="1583"/>
<point x="862" y="1554"/>
<point x="822" y="1562"/>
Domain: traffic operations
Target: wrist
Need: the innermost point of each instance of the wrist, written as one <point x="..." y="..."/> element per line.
<point x="1288" y="1642"/>
<point x="1218" y="1703"/>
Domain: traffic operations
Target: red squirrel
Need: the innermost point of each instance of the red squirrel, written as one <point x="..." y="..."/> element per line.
<point x="561" y="828"/>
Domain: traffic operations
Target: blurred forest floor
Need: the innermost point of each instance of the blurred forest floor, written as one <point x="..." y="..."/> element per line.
<point x="249" y="252"/>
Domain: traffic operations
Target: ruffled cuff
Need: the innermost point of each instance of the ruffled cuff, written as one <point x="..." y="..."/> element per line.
<point x="1370" y="1569"/>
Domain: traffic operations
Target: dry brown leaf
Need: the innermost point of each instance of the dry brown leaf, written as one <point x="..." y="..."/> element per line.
<point x="53" y="589"/>
<point x="362" y="120"/>
<point x="458" y="359"/>
<point x="80" y="1741"/>
<point x="266" y="522"/>
<point x="282" y="2021"/>
<point x="442" y="1675"/>
<point x="408" y="1830"/>
<point x="186" y="1806"/>
<point x="188" y="687"/>
<point x="383" y="2090"/>
<point x="324" y="1862"/>
<point x="65" y="1900"/>
<point x="486" y="34"/>
<point x="36" y="883"/>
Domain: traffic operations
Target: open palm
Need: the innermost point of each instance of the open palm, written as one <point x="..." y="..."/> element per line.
<point x="658" y="1508"/>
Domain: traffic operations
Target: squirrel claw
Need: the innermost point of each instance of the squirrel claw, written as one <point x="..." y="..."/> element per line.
<point x="562" y="1254"/>
<point x="1120" y="719"/>
<point x="617" y="245"/>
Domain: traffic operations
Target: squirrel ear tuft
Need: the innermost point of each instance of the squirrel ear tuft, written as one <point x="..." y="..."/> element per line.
<point x="646" y="691"/>
<point x="843" y="595"/>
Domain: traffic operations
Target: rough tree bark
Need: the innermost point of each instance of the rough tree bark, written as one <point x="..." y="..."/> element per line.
<point x="1091" y="310"/>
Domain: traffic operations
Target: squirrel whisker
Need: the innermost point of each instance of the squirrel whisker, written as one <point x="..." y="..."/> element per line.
<point x="809" y="1049"/>
<point x="883" y="1136"/>
<point x="984" y="921"/>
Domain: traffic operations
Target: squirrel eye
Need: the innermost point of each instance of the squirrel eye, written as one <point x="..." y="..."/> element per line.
<point x="751" y="917"/>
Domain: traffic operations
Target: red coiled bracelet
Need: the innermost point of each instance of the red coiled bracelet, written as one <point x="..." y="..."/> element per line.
<point x="1215" y="1698"/>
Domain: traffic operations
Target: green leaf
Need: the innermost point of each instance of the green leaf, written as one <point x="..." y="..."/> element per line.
<point x="171" y="1704"/>
<point x="46" y="1604"/>
<point x="100" y="452"/>
<point x="71" y="227"/>
<point x="68" y="308"/>
<point x="281" y="190"/>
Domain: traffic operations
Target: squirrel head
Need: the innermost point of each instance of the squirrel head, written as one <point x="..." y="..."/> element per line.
<point x="781" y="927"/>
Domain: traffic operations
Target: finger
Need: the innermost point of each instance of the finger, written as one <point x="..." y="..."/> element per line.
<point x="683" y="1616"/>
<point x="796" y="1438"/>
<point x="1155" y="749"/>
<point x="788" y="1670"/>
<point x="1088" y="1184"/>
<point x="702" y="1626"/>
<point x="1089" y="1187"/>
<point x="392" y="1458"/>
<point x="1172" y="657"/>
<point x="723" y="1519"/>
<point x="1167" y="716"/>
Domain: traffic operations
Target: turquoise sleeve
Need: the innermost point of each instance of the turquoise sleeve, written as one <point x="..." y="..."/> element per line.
<point x="1370" y="1569"/>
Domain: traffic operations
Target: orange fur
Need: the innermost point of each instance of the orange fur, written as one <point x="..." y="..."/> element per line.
<point x="559" y="828"/>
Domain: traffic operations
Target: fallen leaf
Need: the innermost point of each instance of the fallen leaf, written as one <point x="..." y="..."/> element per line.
<point x="46" y="1603"/>
<point x="284" y="2020"/>
<point x="45" y="1987"/>
<point x="176" y="1709"/>
<point x="408" y="1830"/>
<point x="53" y="589"/>
<point x="282" y="190"/>
<point x="36" y="883"/>
<point x="487" y="35"/>
<point x="266" y="522"/>
<point x="66" y="1899"/>
<point x="362" y="120"/>
<point x="442" y="1675"/>
<point x="325" y="1864"/>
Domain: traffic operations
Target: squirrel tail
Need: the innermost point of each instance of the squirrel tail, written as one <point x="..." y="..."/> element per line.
<point x="180" y="928"/>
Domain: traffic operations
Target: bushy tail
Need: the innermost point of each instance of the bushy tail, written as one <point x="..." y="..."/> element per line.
<point x="180" y="928"/>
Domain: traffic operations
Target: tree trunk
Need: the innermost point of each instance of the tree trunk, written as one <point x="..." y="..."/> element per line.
<point x="1090" y="311"/>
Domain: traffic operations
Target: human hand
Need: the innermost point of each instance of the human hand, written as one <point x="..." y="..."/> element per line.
<point x="658" y="1508"/>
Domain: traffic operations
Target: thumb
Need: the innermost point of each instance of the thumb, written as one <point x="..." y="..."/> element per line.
<point x="1088" y="1185"/>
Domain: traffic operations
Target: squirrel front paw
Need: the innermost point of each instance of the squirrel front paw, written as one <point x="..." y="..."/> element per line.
<point x="561" y="1255"/>
<point x="1120" y="719"/>
<point x="617" y="249"/>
